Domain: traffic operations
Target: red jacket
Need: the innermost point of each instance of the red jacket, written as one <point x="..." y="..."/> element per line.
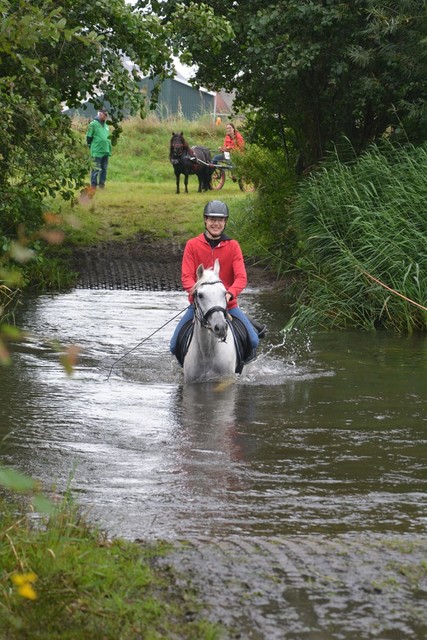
<point x="232" y="267"/>
<point x="233" y="143"/>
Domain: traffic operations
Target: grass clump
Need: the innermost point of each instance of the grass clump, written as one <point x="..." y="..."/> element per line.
<point x="65" y="580"/>
<point x="362" y="228"/>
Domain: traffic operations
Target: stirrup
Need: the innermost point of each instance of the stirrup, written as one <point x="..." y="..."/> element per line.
<point x="262" y="331"/>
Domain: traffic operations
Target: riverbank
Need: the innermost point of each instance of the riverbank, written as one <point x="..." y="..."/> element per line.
<point x="62" y="578"/>
<point x="139" y="213"/>
<point x="146" y="263"/>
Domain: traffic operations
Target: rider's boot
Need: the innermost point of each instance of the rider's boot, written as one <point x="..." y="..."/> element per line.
<point x="261" y="329"/>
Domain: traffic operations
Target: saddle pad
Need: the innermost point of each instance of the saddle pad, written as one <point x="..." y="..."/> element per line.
<point x="245" y="352"/>
<point x="183" y="341"/>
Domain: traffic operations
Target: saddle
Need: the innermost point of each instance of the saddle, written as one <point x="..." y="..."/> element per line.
<point x="245" y="351"/>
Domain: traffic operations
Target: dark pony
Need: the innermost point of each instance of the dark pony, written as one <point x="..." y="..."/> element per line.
<point x="190" y="160"/>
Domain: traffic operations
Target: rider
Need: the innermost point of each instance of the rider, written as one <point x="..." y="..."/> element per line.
<point x="233" y="141"/>
<point x="204" y="249"/>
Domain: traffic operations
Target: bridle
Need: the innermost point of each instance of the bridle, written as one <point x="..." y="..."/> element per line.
<point x="204" y="317"/>
<point x="177" y="149"/>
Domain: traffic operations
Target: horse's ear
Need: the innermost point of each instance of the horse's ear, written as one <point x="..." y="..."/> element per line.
<point x="199" y="271"/>
<point x="182" y="133"/>
<point x="216" y="267"/>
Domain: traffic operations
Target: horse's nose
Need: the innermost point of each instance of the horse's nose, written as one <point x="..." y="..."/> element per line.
<point x="221" y="330"/>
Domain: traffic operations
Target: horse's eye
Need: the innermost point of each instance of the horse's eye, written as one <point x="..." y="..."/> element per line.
<point x="200" y="295"/>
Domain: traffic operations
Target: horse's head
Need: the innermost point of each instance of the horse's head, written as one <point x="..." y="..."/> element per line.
<point x="209" y="301"/>
<point x="178" y="145"/>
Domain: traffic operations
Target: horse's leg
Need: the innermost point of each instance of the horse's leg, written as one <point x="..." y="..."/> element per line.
<point x="177" y="176"/>
<point x="186" y="182"/>
<point x="205" y="179"/>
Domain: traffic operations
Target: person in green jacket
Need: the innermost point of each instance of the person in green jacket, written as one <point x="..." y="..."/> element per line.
<point x="99" y="142"/>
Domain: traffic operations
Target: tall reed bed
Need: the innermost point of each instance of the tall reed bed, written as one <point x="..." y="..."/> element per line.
<point x="363" y="229"/>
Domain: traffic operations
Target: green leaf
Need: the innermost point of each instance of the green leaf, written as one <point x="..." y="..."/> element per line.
<point x="16" y="481"/>
<point x="43" y="505"/>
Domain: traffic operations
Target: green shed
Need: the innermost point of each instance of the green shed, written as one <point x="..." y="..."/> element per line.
<point x="179" y="97"/>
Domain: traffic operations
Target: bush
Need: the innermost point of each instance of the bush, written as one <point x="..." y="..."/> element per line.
<point x="264" y="222"/>
<point x="363" y="228"/>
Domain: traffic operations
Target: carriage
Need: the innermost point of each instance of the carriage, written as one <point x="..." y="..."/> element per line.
<point x="188" y="160"/>
<point x="220" y="170"/>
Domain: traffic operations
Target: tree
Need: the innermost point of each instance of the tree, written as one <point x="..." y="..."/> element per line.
<point x="55" y="54"/>
<point x="323" y="68"/>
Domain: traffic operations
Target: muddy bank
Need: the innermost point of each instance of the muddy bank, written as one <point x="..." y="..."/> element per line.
<point x="146" y="264"/>
<point x="347" y="587"/>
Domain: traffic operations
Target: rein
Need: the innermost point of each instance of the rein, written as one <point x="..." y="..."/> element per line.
<point x="180" y="151"/>
<point x="142" y="341"/>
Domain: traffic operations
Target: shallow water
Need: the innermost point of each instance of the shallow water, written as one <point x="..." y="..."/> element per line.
<point x="323" y="438"/>
<point x="325" y="433"/>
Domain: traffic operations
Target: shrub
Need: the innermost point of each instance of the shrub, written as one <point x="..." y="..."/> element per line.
<point x="363" y="228"/>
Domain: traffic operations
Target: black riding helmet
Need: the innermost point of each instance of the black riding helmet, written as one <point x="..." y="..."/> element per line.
<point x="216" y="209"/>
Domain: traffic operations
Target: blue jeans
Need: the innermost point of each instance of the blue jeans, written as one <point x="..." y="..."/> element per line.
<point x="218" y="158"/>
<point x="99" y="171"/>
<point x="236" y="312"/>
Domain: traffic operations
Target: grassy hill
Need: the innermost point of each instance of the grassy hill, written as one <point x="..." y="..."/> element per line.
<point x="140" y="192"/>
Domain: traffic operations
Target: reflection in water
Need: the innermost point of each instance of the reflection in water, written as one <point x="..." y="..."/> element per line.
<point x="324" y="434"/>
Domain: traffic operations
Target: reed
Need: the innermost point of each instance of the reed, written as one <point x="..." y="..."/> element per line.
<point x="363" y="227"/>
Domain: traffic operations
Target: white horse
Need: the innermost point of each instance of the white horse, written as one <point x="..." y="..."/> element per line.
<point x="212" y="353"/>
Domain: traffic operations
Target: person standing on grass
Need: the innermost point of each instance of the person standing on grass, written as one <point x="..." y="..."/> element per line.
<point x="99" y="141"/>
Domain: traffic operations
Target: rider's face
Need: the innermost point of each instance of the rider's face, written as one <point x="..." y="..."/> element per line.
<point x="214" y="226"/>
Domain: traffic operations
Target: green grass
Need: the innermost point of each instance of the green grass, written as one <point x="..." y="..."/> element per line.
<point x="350" y="229"/>
<point x="140" y="192"/>
<point x="76" y="584"/>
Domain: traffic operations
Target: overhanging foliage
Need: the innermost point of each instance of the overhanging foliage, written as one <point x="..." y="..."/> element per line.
<point x="329" y="68"/>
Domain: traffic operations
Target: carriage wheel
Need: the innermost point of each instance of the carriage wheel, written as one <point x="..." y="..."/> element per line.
<point x="246" y="185"/>
<point x="218" y="179"/>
